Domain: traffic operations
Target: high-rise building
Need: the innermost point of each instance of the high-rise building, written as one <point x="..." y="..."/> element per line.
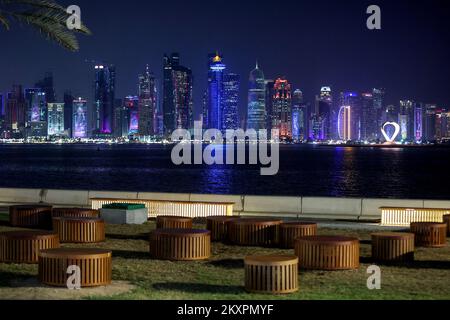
<point x="429" y="122"/>
<point x="345" y="123"/>
<point x="369" y="117"/>
<point x="216" y="70"/>
<point x="230" y="113"/>
<point x="418" y="121"/>
<point x="256" y="113"/>
<point x="282" y="108"/>
<point x="442" y="124"/>
<point x="130" y="116"/>
<point x="2" y="104"/>
<point x="36" y="105"/>
<point x="378" y="103"/>
<point x="147" y="103"/>
<point x="406" y="119"/>
<point x="15" y="113"/>
<point x="299" y="117"/>
<point x="269" y="89"/>
<point x="104" y="91"/>
<point x="205" y="111"/>
<point x="353" y="100"/>
<point x="177" y="95"/>
<point x="68" y="112"/>
<point x="46" y="85"/>
<point x="55" y="119"/>
<point x="80" y="119"/>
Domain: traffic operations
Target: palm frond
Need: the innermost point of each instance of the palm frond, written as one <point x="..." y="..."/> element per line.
<point x="4" y="22"/>
<point x="49" y="4"/>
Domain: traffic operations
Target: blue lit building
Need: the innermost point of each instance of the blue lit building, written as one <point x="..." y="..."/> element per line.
<point x="80" y="117"/>
<point x="256" y="112"/>
<point x="55" y="119"/>
<point x="36" y="112"/>
<point x="299" y="117"/>
<point x="230" y="113"/>
<point x="216" y="70"/>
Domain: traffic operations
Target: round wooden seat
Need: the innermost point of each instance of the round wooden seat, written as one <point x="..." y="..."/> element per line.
<point x="271" y="274"/>
<point x="218" y="225"/>
<point x="173" y="222"/>
<point x="31" y="216"/>
<point x="180" y="244"/>
<point x="327" y="252"/>
<point x="79" y="230"/>
<point x="254" y="232"/>
<point x="24" y="246"/>
<point x="429" y="234"/>
<point x="289" y="231"/>
<point x="75" y="213"/>
<point x="393" y="246"/>
<point x="95" y="266"/>
<point x="446" y="219"/>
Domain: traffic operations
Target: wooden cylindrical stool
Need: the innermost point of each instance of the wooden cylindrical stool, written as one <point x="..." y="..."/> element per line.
<point x="429" y="234"/>
<point x="447" y="222"/>
<point x="289" y="231"/>
<point x="79" y="230"/>
<point x="173" y="222"/>
<point x="24" y="246"/>
<point x="327" y="252"/>
<point x="393" y="246"/>
<point x="254" y="232"/>
<point x="75" y="213"/>
<point x="271" y="274"/>
<point x="31" y="216"/>
<point x="95" y="266"/>
<point x="218" y="225"/>
<point x="180" y="244"/>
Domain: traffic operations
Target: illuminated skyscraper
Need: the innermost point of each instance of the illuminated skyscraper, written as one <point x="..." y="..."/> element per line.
<point x="418" y="121"/>
<point x="369" y="117"/>
<point x="147" y="104"/>
<point x="129" y="116"/>
<point x="353" y="100"/>
<point x="325" y="113"/>
<point x="36" y="103"/>
<point x="80" y="119"/>
<point x="282" y="108"/>
<point x="68" y="112"/>
<point x="429" y="122"/>
<point x="230" y="114"/>
<point x="55" y="119"/>
<point x="216" y="69"/>
<point x="15" y="112"/>
<point x="378" y="103"/>
<point x="406" y="119"/>
<point x="2" y="104"/>
<point x="104" y="91"/>
<point x="256" y="113"/>
<point x="269" y="88"/>
<point x="46" y="85"/>
<point x="345" y="123"/>
<point x="299" y="117"/>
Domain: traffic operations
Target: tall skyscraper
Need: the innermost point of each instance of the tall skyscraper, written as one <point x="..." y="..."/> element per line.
<point x="15" y="112"/>
<point x="269" y="88"/>
<point x="147" y="103"/>
<point x="46" y="85"/>
<point x="68" y="111"/>
<point x="177" y="95"/>
<point x="104" y="91"/>
<point x="80" y="119"/>
<point x="369" y="117"/>
<point x="216" y="70"/>
<point x="55" y="119"/>
<point x="282" y="108"/>
<point x="36" y="105"/>
<point x="345" y="123"/>
<point x="130" y="116"/>
<point x="353" y="101"/>
<point x="256" y="113"/>
<point x="429" y="122"/>
<point x="230" y="114"/>
<point x="325" y="114"/>
<point x="418" y="121"/>
<point x="2" y="104"/>
<point x="378" y="103"/>
<point x="406" y="119"/>
<point x="299" y="117"/>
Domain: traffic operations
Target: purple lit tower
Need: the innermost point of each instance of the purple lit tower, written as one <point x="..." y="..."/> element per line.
<point x="104" y="99"/>
<point x="79" y="119"/>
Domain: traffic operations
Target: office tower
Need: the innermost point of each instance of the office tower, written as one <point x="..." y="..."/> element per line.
<point x="2" y="104"/>
<point x="68" y="112"/>
<point x="216" y="70"/>
<point x="282" y="108"/>
<point x="378" y="103"/>
<point x="230" y="114"/>
<point x="147" y="103"/>
<point x="269" y="88"/>
<point x="299" y="117"/>
<point x="117" y="121"/>
<point x="256" y="112"/>
<point x="344" y="125"/>
<point x="55" y="119"/>
<point x="15" y="112"/>
<point x="353" y="100"/>
<point x="130" y="116"/>
<point x="46" y="85"/>
<point x="442" y="124"/>
<point x="369" y="117"/>
<point x="325" y="112"/>
<point x="205" y="111"/>
<point x="80" y="119"/>
<point x="390" y="115"/>
<point x="418" y="121"/>
<point x="104" y="91"/>
<point x="177" y="95"/>
<point x="406" y="119"/>
<point x="36" y="105"/>
<point x="317" y="128"/>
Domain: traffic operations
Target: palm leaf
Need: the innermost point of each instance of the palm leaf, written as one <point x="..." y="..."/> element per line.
<point x="4" y="22"/>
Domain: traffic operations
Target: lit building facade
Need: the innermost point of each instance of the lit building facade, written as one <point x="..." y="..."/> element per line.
<point x="256" y="110"/>
<point x="80" y="119"/>
<point x="282" y="108"/>
<point x="418" y="121"/>
<point x="269" y="88"/>
<point x="353" y="100"/>
<point x="370" y="113"/>
<point x="104" y="93"/>
<point x="345" y="123"/>
<point x="406" y="120"/>
<point x="15" y="113"/>
<point x="216" y="70"/>
<point x="129" y="116"/>
<point x="55" y="119"/>
<point x="37" y="112"/>
<point x="299" y="117"/>
<point x="144" y="118"/>
<point x="230" y="114"/>
<point x="325" y="112"/>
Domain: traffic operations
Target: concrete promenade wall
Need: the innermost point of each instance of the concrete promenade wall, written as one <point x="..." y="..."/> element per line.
<point x="249" y="205"/>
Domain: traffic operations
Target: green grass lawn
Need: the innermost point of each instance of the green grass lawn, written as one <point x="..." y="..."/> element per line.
<point x="222" y="276"/>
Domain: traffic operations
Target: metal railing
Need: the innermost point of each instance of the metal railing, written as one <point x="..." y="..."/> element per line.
<point x="391" y="216"/>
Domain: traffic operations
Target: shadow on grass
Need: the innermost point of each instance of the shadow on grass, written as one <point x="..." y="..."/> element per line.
<point x="228" y="263"/>
<point x="127" y="254"/>
<point x="140" y="236"/>
<point x="7" y="277"/>
<point x="199" y="288"/>
<point x="417" y="264"/>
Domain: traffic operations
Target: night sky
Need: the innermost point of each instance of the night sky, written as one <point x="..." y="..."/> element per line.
<point x="311" y="43"/>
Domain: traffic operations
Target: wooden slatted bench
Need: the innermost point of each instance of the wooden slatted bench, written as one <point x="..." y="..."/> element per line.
<point x="24" y="246"/>
<point x="219" y="227"/>
<point x="95" y="266"/>
<point x="31" y="216"/>
<point x="254" y="232"/>
<point x="75" y="213"/>
<point x="192" y="209"/>
<point x="327" y="252"/>
<point x="446" y="220"/>
<point x="392" y="246"/>
<point x="180" y="244"/>
<point x="79" y="230"/>
<point x="289" y="231"/>
<point x="276" y="274"/>
<point x="173" y="222"/>
<point x="429" y="234"/>
<point x="397" y="216"/>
